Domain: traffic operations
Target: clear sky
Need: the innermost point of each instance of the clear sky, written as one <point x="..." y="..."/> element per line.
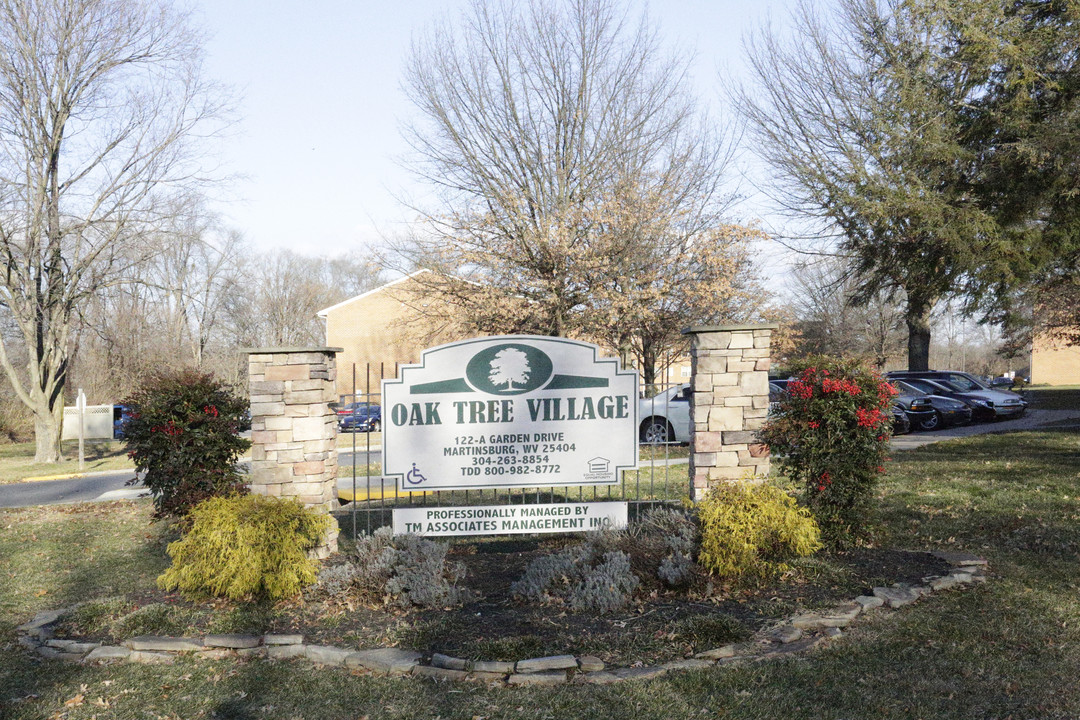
<point x="319" y="101"/>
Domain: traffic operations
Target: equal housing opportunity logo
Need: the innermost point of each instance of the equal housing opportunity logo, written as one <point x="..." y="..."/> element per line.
<point x="519" y="411"/>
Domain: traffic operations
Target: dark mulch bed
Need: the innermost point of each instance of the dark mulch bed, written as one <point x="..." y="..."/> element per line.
<point x="497" y="626"/>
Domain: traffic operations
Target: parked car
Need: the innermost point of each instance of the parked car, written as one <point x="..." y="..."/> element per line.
<point x="665" y="417"/>
<point x="121" y="417"/>
<point x="915" y="405"/>
<point x="900" y="422"/>
<point x="776" y="394"/>
<point x="985" y="405"/>
<point x="363" y="418"/>
<point x="947" y="411"/>
<point x="341" y="409"/>
<point x="780" y="383"/>
<point x="964" y="382"/>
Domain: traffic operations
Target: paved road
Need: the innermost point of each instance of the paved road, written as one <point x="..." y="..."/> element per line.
<point x="112" y="485"/>
<point x="1032" y="419"/>
<point x="106" y="485"/>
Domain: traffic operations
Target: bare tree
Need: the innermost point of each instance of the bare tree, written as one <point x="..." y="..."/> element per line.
<point x="100" y="104"/>
<point x="172" y="312"/>
<point x="832" y="322"/>
<point x="196" y="270"/>
<point x="284" y="291"/>
<point x="545" y="128"/>
<point x="199" y="298"/>
<point x="667" y="282"/>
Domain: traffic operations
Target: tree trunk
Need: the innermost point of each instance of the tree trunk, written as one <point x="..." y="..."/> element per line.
<point x="47" y="431"/>
<point x="648" y="368"/>
<point x="918" y="324"/>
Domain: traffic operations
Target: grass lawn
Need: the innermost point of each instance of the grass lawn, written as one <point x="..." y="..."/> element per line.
<point x="345" y="440"/>
<point x="1009" y="648"/>
<point x="17" y="460"/>
<point x="1054" y="398"/>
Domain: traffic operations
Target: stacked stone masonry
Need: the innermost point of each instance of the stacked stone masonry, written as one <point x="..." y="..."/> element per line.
<point x="730" y="401"/>
<point x="293" y="429"/>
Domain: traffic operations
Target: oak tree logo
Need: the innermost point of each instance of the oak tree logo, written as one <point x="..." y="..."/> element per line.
<point x="509" y="369"/>
<point x="509" y="366"/>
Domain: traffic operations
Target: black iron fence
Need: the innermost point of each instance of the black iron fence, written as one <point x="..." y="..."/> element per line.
<point x="370" y="497"/>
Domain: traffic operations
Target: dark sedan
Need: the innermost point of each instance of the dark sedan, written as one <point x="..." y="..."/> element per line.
<point x="947" y="411"/>
<point x="362" y="418"/>
<point x="900" y="423"/>
<point x="915" y="405"/>
<point x="985" y="405"/>
<point x="1005" y="404"/>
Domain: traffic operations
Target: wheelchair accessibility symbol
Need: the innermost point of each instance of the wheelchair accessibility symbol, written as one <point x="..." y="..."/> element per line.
<point x="414" y="477"/>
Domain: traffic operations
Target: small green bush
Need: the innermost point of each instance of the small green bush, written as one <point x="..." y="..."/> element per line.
<point x="749" y="532"/>
<point x="183" y="438"/>
<point x="245" y="547"/>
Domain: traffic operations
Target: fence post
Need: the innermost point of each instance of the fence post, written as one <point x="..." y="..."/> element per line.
<point x="730" y="401"/>
<point x="293" y="430"/>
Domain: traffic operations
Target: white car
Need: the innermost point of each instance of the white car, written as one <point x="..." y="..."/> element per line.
<point x="665" y="417"/>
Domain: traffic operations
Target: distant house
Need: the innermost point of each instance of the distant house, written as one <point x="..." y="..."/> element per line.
<point x="1054" y="362"/>
<point x="379" y="330"/>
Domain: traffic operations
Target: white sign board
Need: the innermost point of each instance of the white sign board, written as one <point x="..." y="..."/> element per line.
<point x="512" y="411"/>
<point x="510" y="519"/>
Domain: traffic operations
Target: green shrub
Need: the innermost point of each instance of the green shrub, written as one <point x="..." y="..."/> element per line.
<point x="749" y="532"/>
<point x="245" y="547"/>
<point x="183" y="438"/>
<point x="830" y="435"/>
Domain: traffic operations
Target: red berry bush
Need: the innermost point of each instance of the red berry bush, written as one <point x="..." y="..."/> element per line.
<point x="183" y="438"/>
<point x="830" y="435"/>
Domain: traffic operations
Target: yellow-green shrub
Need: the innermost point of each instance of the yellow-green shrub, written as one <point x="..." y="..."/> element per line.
<point x="245" y="547"/>
<point x="750" y="531"/>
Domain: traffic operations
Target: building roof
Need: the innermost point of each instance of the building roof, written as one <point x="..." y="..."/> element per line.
<point x="322" y="313"/>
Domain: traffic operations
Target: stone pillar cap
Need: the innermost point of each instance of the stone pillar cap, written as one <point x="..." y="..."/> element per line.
<point x="284" y="350"/>
<point x="695" y="329"/>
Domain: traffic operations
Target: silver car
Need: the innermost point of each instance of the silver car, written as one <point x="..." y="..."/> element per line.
<point x="665" y="417"/>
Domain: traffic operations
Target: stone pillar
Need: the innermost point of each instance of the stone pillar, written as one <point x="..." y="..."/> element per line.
<point x="293" y="429"/>
<point x="730" y="379"/>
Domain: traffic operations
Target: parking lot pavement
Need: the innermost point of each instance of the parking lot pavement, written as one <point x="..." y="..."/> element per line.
<point x="1032" y="420"/>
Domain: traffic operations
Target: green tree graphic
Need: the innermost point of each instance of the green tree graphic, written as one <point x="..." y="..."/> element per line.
<point x="509" y="366"/>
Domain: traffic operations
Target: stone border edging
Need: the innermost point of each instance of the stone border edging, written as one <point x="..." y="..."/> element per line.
<point x="797" y="634"/>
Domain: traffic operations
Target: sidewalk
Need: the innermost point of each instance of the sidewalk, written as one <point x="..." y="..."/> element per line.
<point x="1032" y="420"/>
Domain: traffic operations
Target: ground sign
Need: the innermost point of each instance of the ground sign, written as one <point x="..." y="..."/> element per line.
<point x="510" y="519"/>
<point x="512" y="411"/>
